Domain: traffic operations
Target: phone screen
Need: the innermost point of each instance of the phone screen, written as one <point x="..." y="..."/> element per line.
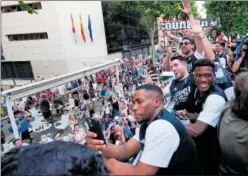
<point x="153" y="71"/>
<point x="95" y="127"/>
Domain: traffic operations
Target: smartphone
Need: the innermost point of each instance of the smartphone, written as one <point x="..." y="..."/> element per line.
<point x="153" y="71"/>
<point x="95" y="127"/>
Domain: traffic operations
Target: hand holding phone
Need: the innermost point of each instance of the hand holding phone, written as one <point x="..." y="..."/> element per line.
<point x="94" y="143"/>
<point x="94" y="126"/>
<point x="153" y="73"/>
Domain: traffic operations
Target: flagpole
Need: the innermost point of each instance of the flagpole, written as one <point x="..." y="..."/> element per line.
<point x="73" y="29"/>
<point x="82" y="28"/>
<point x="90" y="28"/>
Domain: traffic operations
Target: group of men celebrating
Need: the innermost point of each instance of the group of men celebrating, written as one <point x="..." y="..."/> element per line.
<point x="163" y="145"/>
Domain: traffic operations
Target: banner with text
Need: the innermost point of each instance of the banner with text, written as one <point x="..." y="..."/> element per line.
<point x="178" y="25"/>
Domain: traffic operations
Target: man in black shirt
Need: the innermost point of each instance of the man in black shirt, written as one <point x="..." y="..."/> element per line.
<point x="242" y="63"/>
<point x="221" y="65"/>
<point x="45" y="107"/>
<point x="187" y="46"/>
<point x="189" y="53"/>
<point x="219" y="52"/>
<point x="162" y="145"/>
<point x="208" y="102"/>
<point x="179" y="89"/>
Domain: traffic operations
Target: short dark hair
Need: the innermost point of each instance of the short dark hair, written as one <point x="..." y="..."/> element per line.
<point x="239" y="104"/>
<point x="221" y="43"/>
<point x="204" y="63"/>
<point x="191" y="40"/>
<point x="180" y="58"/>
<point x="151" y="87"/>
<point x="76" y="125"/>
<point x="17" y="112"/>
<point x="55" y="158"/>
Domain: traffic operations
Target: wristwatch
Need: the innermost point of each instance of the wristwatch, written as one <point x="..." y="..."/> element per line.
<point x="194" y="120"/>
<point x="200" y="36"/>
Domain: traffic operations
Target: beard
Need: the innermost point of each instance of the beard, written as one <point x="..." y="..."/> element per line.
<point x="143" y="121"/>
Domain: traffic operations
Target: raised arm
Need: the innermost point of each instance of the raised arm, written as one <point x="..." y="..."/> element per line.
<point x="202" y="41"/>
<point x="171" y="36"/>
<point x="166" y="61"/>
<point x="236" y="64"/>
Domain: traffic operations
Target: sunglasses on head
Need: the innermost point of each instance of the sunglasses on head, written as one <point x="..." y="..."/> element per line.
<point x="185" y="43"/>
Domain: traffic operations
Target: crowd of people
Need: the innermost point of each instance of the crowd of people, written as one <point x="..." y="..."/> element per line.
<point x="150" y="127"/>
<point x="79" y="100"/>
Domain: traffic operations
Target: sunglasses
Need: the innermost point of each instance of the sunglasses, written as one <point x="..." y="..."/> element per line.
<point x="185" y="43"/>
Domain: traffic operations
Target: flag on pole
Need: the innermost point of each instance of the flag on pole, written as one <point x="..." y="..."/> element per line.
<point x="73" y="25"/>
<point x="90" y="29"/>
<point x="82" y="29"/>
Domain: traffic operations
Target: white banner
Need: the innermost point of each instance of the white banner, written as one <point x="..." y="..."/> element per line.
<point x="178" y="25"/>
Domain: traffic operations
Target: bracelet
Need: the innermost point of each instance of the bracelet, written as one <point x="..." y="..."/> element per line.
<point x="200" y="37"/>
<point x="194" y="120"/>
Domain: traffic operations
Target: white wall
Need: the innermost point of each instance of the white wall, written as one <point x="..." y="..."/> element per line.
<point x="46" y="56"/>
<point x="81" y="54"/>
<point x="59" y="53"/>
<point x="22" y="22"/>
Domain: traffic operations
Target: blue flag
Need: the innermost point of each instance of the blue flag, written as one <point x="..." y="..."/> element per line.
<point x="90" y="29"/>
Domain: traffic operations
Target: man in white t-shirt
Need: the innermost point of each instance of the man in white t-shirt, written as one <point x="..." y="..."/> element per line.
<point x="62" y="90"/>
<point x="207" y="102"/>
<point x="161" y="145"/>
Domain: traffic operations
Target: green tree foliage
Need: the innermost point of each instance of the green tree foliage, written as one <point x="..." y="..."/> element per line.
<point x="150" y="11"/>
<point x="122" y="27"/>
<point x="27" y="8"/>
<point x="147" y="13"/>
<point x="233" y="14"/>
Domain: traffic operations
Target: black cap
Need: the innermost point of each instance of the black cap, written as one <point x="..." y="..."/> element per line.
<point x="191" y="40"/>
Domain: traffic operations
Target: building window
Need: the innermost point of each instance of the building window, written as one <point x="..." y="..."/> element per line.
<point x="18" y="8"/>
<point x="123" y="29"/>
<point x="16" y="70"/>
<point x="29" y="36"/>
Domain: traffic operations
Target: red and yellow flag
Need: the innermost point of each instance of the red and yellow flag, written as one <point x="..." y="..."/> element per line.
<point x="82" y="29"/>
<point x="73" y="25"/>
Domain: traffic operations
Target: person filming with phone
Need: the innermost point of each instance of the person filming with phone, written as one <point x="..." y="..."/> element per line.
<point x="161" y="144"/>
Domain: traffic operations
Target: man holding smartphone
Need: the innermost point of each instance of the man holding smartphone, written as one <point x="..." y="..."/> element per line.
<point x="161" y="145"/>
